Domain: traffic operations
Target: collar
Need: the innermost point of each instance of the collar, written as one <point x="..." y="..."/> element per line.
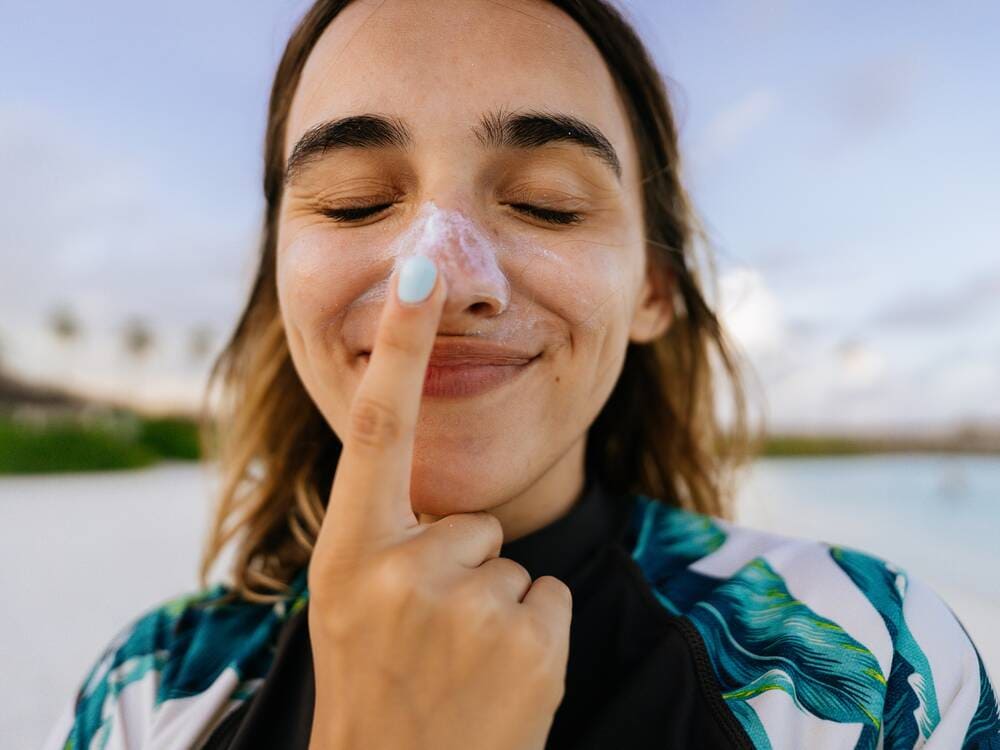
<point x="563" y="547"/>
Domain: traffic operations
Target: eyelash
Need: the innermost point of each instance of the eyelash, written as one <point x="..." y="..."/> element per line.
<point x="543" y="214"/>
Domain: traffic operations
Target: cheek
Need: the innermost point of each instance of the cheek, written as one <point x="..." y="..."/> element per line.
<point x="592" y="288"/>
<point x="318" y="277"/>
<point x="587" y="284"/>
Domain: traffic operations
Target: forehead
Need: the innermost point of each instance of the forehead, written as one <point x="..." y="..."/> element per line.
<point x="440" y="64"/>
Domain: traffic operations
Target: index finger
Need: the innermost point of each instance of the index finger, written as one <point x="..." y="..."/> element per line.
<point x="370" y="497"/>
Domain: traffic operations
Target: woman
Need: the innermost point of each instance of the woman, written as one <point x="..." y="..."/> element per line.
<point x="471" y="461"/>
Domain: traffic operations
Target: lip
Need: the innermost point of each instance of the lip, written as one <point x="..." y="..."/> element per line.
<point x="458" y="369"/>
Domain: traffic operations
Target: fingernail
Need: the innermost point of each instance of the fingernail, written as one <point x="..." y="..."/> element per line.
<point x="416" y="279"/>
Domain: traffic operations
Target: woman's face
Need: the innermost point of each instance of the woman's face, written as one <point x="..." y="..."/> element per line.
<point x="457" y="183"/>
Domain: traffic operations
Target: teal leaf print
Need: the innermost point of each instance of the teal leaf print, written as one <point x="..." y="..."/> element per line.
<point x="182" y="645"/>
<point x="758" y="636"/>
<point x="911" y="709"/>
<point x="751" y="724"/>
<point x="761" y="638"/>
<point x="669" y="539"/>
<point x="984" y="729"/>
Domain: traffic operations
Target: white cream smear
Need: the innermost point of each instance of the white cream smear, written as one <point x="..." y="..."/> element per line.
<point x="464" y="254"/>
<point x="472" y="261"/>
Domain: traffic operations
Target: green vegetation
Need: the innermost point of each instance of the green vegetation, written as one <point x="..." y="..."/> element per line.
<point x="119" y="441"/>
<point x="66" y="446"/>
<point x="792" y="446"/>
<point x="802" y="445"/>
<point x="171" y="437"/>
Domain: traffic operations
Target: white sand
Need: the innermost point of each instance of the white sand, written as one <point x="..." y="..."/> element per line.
<point x="83" y="554"/>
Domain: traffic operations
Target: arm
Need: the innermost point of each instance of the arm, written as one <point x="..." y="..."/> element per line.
<point x="61" y="731"/>
<point x="115" y="699"/>
<point x="953" y="702"/>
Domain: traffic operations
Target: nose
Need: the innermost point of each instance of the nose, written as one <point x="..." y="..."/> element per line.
<point x="466" y="256"/>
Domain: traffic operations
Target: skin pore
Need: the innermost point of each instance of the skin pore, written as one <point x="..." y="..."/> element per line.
<point x="442" y="166"/>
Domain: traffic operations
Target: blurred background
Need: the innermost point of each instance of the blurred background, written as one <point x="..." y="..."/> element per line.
<point x="843" y="155"/>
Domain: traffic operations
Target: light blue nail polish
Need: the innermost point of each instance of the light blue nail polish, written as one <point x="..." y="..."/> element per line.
<point x="416" y="279"/>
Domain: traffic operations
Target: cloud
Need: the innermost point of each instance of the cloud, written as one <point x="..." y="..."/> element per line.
<point x="89" y="230"/>
<point x="964" y="302"/>
<point x="750" y="311"/>
<point x="860" y="365"/>
<point x="876" y="92"/>
<point x="731" y="127"/>
<point x="815" y="376"/>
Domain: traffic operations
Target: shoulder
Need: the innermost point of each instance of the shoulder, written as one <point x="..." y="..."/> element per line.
<point x="811" y="639"/>
<point x="176" y="666"/>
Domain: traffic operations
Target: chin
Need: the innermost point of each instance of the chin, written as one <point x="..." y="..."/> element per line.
<point x="456" y="485"/>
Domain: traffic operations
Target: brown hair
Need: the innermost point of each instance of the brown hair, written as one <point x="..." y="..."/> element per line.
<point x="658" y="434"/>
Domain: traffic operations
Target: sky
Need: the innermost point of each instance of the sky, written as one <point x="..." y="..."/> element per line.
<point x="842" y="156"/>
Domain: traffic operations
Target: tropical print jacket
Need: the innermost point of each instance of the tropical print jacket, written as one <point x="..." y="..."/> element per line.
<point x="810" y="645"/>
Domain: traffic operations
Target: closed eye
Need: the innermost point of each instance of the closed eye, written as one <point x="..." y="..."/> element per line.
<point x="355" y="213"/>
<point x="547" y="214"/>
<point x="363" y="212"/>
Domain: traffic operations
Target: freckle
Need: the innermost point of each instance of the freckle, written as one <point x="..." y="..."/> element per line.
<point x="557" y="378"/>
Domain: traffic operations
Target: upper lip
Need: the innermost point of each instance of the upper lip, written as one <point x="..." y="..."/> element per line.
<point x="449" y="352"/>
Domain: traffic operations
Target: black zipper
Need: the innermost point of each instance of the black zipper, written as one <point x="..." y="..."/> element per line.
<point x="707" y="681"/>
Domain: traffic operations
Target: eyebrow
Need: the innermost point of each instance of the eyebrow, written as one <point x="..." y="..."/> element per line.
<point x="497" y="130"/>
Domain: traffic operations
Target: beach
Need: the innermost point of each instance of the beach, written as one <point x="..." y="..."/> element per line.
<point x="86" y="553"/>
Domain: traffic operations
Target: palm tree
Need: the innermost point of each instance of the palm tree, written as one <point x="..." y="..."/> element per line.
<point x="67" y="330"/>
<point x="138" y="340"/>
<point x="200" y="343"/>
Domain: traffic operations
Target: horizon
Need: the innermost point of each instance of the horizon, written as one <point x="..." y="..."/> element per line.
<point x="847" y="179"/>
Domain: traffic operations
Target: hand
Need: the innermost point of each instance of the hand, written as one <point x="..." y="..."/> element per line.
<point x="422" y="636"/>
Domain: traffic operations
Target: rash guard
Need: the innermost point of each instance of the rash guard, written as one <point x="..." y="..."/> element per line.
<point x="688" y="631"/>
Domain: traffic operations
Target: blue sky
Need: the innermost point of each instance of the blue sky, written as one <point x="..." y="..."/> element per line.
<point x="843" y="156"/>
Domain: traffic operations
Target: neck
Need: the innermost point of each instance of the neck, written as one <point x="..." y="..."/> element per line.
<point x="549" y="498"/>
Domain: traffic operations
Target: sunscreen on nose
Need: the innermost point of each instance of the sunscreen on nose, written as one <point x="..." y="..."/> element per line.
<point x="475" y="259"/>
<point x="461" y="250"/>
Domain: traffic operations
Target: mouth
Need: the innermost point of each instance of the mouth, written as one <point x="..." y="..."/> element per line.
<point x="471" y="368"/>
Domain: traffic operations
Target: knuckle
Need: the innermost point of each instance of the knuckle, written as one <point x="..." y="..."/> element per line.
<point x="395" y="578"/>
<point x="491" y="527"/>
<point x="335" y="606"/>
<point x="374" y="422"/>
<point x="474" y="607"/>
<point x="513" y="573"/>
<point x="520" y="572"/>
<point x="557" y="588"/>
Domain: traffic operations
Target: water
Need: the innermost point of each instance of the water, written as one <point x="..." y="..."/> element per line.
<point x="935" y="515"/>
<point x="83" y="554"/>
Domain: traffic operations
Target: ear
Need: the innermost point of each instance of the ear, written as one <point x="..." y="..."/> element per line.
<point x="654" y="311"/>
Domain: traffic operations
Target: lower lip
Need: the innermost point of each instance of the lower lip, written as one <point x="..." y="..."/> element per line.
<point x="467" y="380"/>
